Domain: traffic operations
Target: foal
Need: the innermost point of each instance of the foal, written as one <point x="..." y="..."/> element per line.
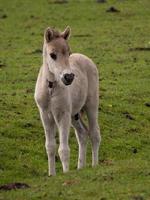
<point x="67" y="83"/>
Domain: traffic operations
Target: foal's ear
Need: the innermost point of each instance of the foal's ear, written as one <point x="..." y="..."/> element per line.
<point x="48" y="34"/>
<point x="66" y="33"/>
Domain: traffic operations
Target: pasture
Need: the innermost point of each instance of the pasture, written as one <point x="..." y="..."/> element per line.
<point x="119" y="43"/>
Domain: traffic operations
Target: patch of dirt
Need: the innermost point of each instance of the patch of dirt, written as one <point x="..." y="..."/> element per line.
<point x="14" y="186"/>
<point x="13" y="94"/>
<point x="133" y="130"/>
<point x="140" y="49"/>
<point x="34" y="17"/>
<point x="2" y="65"/>
<point x="99" y="108"/>
<point x="128" y="116"/>
<point x="106" y="162"/>
<point x="58" y="2"/>
<point x="138" y="197"/>
<point x="82" y="35"/>
<point x="101" y="1"/>
<point x="112" y="9"/>
<point x="147" y="104"/>
<point x="147" y="174"/>
<point x="29" y="90"/>
<point x="108" y="178"/>
<point x="134" y="59"/>
<point x="18" y="113"/>
<point x="28" y="125"/>
<point x="70" y="182"/>
<point x="134" y="150"/>
<point x="4" y="16"/>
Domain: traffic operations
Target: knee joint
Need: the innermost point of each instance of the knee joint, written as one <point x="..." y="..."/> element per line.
<point x="50" y="148"/>
<point x="64" y="151"/>
<point x="96" y="138"/>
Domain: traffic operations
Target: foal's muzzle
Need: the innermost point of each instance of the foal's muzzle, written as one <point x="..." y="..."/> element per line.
<point x="67" y="78"/>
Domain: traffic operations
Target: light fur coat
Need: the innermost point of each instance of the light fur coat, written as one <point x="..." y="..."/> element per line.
<point x="61" y="105"/>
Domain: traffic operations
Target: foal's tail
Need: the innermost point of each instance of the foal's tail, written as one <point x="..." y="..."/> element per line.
<point x="81" y="120"/>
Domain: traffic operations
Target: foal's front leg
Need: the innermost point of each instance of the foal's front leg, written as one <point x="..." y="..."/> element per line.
<point x="50" y="143"/>
<point x="63" y="122"/>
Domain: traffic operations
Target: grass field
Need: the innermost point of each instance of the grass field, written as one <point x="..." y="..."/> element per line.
<point x="119" y="44"/>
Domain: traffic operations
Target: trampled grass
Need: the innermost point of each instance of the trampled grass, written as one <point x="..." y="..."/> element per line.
<point x="110" y="39"/>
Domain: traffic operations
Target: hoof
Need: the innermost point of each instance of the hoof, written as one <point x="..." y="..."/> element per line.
<point x="51" y="174"/>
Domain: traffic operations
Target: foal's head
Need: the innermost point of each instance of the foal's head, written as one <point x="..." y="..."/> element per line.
<point x="56" y="53"/>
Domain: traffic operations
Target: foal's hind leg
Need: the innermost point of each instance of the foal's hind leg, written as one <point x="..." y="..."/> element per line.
<point x="82" y="136"/>
<point x="94" y="130"/>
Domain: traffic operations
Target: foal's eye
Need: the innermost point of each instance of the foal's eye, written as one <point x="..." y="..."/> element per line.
<point x="53" y="56"/>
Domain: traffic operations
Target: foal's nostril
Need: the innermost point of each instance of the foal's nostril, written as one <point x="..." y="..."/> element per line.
<point x="69" y="77"/>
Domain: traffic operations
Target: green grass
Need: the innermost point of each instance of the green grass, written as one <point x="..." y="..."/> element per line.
<point x="123" y="172"/>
